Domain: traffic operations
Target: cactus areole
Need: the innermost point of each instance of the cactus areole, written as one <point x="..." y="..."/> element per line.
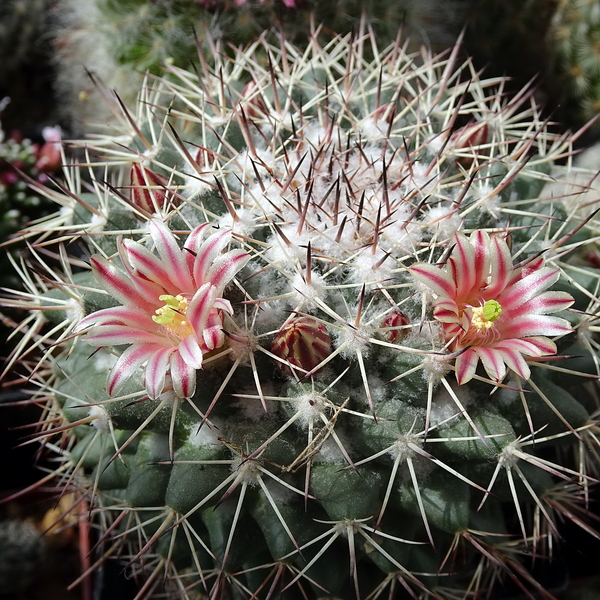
<point x="330" y="337"/>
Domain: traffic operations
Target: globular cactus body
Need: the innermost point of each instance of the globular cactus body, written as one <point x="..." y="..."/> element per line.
<point x="327" y="321"/>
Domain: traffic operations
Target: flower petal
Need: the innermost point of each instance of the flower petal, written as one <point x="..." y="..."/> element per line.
<point x="183" y="377"/>
<point x="208" y="252"/>
<point x="190" y="352"/>
<point x="501" y="267"/>
<point x="171" y="254"/>
<point x="470" y="264"/>
<point x="492" y="362"/>
<point x="127" y="364"/>
<point x="213" y="337"/>
<point x="534" y="346"/>
<point x="117" y="315"/>
<point x="224" y="268"/>
<point x="147" y="267"/>
<point x="529" y="325"/>
<point x="528" y="287"/>
<point x="192" y="245"/>
<point x="117" y="335"/>
<point x="436" y="279"/>
<point x="200" y="307"/>
<point x="546" y="303"/>
<point x="514" y="360"/>
<point x="156" y="371"/>
<point x="465" y="366"/>
<point x="116" y="283"/>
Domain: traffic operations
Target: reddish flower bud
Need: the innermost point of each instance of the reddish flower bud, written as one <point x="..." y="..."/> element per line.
<point x="148" y="189"/>
<point x="302" y="342"/>
<point x="394" y="326"/>
<point x="594" y="259"/>
<point x="466" y="137"/>
<point x="203" y="158"/>
<point x="252" y="101"/>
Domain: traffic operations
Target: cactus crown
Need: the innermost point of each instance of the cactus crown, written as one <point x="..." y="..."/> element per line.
<point x="329" y="300"/>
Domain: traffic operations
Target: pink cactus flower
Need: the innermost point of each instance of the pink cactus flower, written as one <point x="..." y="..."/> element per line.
<point x="172" y="306"/>
<point x="492" y="311"/>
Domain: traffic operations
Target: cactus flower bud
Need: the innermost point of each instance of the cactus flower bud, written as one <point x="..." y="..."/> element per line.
<point x="147" y="188"/>
<point x="302" y="342"/>
<point x="467" y="137"/>
<point x="394" y="326"/>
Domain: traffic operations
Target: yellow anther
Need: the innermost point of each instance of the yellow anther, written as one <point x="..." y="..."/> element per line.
<point x="484" y="316"/>
<point x="172" y="314"/>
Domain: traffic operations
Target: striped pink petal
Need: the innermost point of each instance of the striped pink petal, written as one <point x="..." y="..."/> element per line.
<point x="127" y="364"/>
<point x="149" y="267"/>
<point x="148" y="289"/>
<point x="117" y="335"/>
<point x="191" y="248"/>
<point x="156" y="371"/>
<point x="528" y="287"/>
<point x="535" y="346"/>
<point x="470" y="263"/>
<point x="446" y="311"/>
<point x="116" y="283"/>
<point x="200" y="307"/>
<point x="514" y="360"/>
<point x="545" y="347"/>
<point x="435" y="278"/>
<point x="465" y="366"/>
<point x="530" y="325"/>
<point x="530" y="267"/>
<point x="117" y="315"/>
<point x="223" y="304"/>
<point x="171" y="254"/>
<point x="190" y="352"/>
<point x="183" y="377"/>
<point x="548" y="302"/>
<point x="209" y="251"/>
<point x="492" y="362"/>
<point x="213" y="337"/>
<point x="225" y="267"/>
<point x="501" y="267"/>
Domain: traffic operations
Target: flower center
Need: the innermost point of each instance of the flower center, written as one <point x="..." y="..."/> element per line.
<point x="172" y="314"/>
<point x="484" y="316"/>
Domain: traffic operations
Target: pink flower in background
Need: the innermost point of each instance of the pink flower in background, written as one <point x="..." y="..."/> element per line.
<point x="492" y="311"/>
<point x="172" y="305"/>
<point x="49" y="158"/>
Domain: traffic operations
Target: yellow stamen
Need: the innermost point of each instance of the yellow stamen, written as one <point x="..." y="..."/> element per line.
<point x="172" y="314"/>
<point x="484" y="316"/>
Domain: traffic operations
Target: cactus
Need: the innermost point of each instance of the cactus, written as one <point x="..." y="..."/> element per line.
<point x="313" y="330"/>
